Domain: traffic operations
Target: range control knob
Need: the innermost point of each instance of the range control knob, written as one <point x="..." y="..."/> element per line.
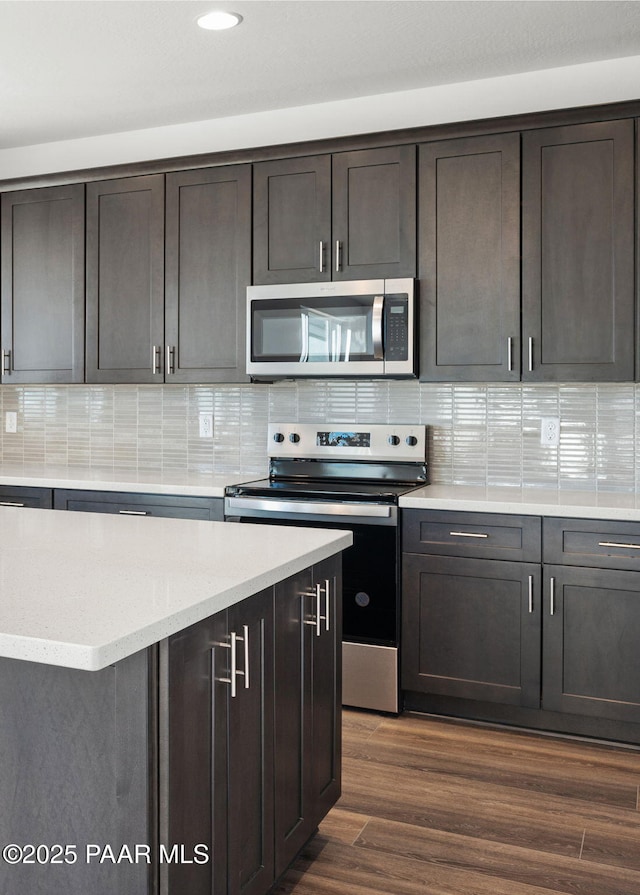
<point x="294" y="438"/>
<point x="411" y="440"/>
<point x="394" y="440"/>
<point x="278" y="437"/>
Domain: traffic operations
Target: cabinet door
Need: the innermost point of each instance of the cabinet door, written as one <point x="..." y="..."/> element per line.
<point x="307" y="705"/>
<point x="208" y="267"/>
<point x="578" y="253"/>
<point x="469" y="259"/>
<point x="193" y="754"/>
<point x="250" y="749"/>
<point x="374" y="213"/>
<point x="326" y="691"/>
<point x="591" y="633"/>
<point x="471" y="629"/>
<point x="43" y="285"/>
<point x="292" y="220"/>
<point x="125" y="280"/>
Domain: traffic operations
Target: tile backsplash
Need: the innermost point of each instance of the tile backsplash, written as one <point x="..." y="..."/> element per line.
<point x="479" y="434"/>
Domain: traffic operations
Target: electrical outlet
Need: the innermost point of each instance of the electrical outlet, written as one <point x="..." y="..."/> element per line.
<point x="550" y="431"/>
<point x="11" y="421"/>
<point x="206" y="425"/>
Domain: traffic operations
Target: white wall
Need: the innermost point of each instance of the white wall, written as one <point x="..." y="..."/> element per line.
<point x="588" y="84"/>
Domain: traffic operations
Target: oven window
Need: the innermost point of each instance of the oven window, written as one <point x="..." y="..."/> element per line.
<point x="319" y="330"/>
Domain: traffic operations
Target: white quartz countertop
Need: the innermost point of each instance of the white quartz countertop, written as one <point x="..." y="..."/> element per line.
<point x="84" y="590"/>
<point x="526" y="501"/>
<point x="167" y="482"/>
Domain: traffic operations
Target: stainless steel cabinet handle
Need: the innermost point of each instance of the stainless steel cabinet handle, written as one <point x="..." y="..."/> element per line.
<point x="171" y="359"/>
<point x="510" y="354"/>
<point x="552" y="596"/>
<point x="338" y="255"/>
<point x="468" y="534"/>
<point x="321" y="265"/>
<point x="10" y="503"/>
<point x="530" y="354"/>
<point x="155" y="353"/>
<point x="134" y="512"/>
<point x="327" y="603"/>
<point x="615" y="544"/>
<point x="245" y="642"/>
<point x="530" y="593"/>
<point x="316" y="593"/>
<point x="6" y="362"/>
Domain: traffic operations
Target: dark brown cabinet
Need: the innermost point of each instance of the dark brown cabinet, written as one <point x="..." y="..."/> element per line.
<point x="347" y="216"/>
<point x="471" y="626"/>
<point x="559" y="638"/>
<point x="307" y="721"/>
<point x="250" y="768"/>
<point x="209" y="509"/>
<point x="42" y="283"/>
<point x="24" y="496"/>
<point x="469" y="259"/>
<point x="125" y="280"/>
<point x="208" y="267"/>
<point x="578" y="252"/>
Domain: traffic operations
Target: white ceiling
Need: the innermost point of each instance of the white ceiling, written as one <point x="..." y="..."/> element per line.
<point x="89" y="67"/>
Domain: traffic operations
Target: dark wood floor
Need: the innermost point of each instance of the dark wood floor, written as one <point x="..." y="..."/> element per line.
<point x="433" y="807"/>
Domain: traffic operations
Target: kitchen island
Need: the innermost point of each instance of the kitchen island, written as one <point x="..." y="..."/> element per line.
<point x="158" y="681"/>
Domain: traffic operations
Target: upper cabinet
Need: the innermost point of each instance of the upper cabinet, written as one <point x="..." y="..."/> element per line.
<point x="42" y="282"/>
<point x="167" y="304"/>
<point x="578" y="253"/>
<point x="342" y="217"/>
<point x="125" y="280"/>
<point x="208" y="268"/>
<point x="469" y="259"/>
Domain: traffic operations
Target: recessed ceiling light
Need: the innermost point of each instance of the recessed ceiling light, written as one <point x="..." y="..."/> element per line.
<point x="219" y="21"/>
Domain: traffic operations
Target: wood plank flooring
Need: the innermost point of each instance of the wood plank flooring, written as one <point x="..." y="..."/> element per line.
<point x="436" y="807"/>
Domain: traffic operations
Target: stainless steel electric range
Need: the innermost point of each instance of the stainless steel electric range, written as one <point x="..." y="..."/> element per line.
<point x="350" y="477"/>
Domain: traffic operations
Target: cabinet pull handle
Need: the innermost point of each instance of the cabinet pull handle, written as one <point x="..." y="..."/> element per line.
<point x="552" y="596"/>
<point x="155" y="354"/>
<point x="530" y="354"/>
<point x="530" y="593"/>
<point x="134" y="512"/>
<point x="10" y="503"/>
<point x="327" y="604"/>
<point x="321" y="264"/>
<point x="171" y="359"/>
<point x="468" y="534"/>
<point x="615" y="544"/>
<point x="245" y="642"/>
<point x="338" y="255"/>
<point x="6" y="362"/>
<point x="510" y="354"/>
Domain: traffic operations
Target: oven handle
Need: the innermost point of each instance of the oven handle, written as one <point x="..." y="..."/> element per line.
<point x="301" y="506"/>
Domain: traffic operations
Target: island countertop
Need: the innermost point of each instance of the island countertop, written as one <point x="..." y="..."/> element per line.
<point x="85" y="590"/>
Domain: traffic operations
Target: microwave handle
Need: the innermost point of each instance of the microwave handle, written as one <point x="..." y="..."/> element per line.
<point x="376" y="327"/>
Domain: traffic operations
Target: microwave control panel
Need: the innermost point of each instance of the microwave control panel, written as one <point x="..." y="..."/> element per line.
<point x="396" y="327"/>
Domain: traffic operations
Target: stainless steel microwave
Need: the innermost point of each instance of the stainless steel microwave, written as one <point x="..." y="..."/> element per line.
<point x="350" y="328"/>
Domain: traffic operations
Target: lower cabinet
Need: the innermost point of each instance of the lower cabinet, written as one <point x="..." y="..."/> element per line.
<point x="558" y="635"/>
<point x="167" y="505"/>
<point x="22" y="496"/>
<point x="250" y="735"/>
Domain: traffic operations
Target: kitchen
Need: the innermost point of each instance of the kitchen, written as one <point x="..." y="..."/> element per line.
<point x="145" y="433"/>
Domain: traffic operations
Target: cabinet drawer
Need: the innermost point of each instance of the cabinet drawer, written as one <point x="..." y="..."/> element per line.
<point x="170" y="506"/>
<point x="589" y="542"/>
<point x="19" y="496"/>
<point x="487" y="535"/>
